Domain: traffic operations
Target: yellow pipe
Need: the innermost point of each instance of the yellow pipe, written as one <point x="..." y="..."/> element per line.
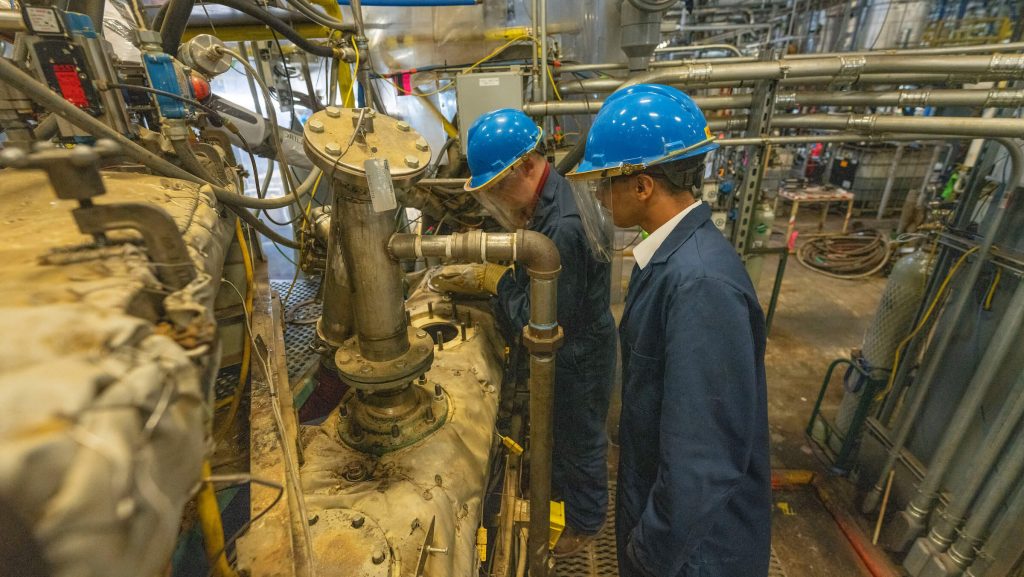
<point x="344" y="73"/>
<point x="213" y="528"/>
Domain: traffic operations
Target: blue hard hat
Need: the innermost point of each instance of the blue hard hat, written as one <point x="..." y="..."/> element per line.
<point x="641" y="126"/>
<point x="496" y="141"/>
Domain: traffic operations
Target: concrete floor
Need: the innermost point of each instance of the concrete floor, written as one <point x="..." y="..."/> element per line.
<point x="817" y="320"/>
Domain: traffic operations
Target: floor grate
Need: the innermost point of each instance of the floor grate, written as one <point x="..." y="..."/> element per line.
<point x="600" y="558"/>
<point x="300" y="313"/>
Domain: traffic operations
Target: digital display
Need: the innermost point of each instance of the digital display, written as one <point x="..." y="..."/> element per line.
<point x="70" y="84"/>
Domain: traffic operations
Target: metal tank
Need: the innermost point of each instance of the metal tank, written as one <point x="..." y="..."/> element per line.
<point x="892" y="322"/>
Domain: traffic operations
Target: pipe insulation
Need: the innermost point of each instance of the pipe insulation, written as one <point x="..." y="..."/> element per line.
<point x="43" y="96"/>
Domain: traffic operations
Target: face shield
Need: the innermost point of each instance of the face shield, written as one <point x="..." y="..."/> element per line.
<point x="505" y="202"/>
<point x="594" y="203"/>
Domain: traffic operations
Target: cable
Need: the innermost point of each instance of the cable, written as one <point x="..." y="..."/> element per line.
<point x="275" y="23"/>
<point x="924" y="320"/>
<point x="190" y="101"/>
<point x="245" y="526"/>
<point x="846" y="257"/>
<point x="355" y="72"/>
<point x="212" y="526"/>
<point x="286" y="174"/>
<point x="243" y="377"/>
<point x="554" y="86"/>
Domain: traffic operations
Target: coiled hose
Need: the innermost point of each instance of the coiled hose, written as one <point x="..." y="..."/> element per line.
<point x="848" y="256"/>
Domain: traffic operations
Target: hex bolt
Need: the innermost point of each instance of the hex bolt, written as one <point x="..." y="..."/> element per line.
<point x="378" y="557"/>
<point x="333" y="111"/>
<point x="408" y="317"/>
<point x="403" y="126"/>
<point x="423" y="378"/>
<point x="422" y="146"/>
<point x="316" y="126"/>
<point x="463" y="328"/>
<point x="440" y="341"/>
<point x="343" y="410"/>
<point x="412" y="162"/>
<point x="358" y="521"/>
<point x="430" y="310"/>
<point x="395" y="431"/>
<point x="429" y="417"/>
<point x="333" y="148"/>
<point x="421" y="334"/>
<point x="455" y="312"/>
<point x="438" y="391"/>
<point x="365" y="369"/>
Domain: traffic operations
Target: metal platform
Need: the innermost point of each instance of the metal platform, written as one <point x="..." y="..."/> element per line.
<point x="300" y="315"/>
<point x="600" y="558"/>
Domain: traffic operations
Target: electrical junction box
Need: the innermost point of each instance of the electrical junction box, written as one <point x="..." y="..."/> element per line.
<point x="478" y="93"/>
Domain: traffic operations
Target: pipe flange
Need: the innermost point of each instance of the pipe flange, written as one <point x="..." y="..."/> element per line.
<point x="346" y="138"/>
<point x="376" y="427"/>
<point x="363" y="374"/>
<point x="543" y="344"/>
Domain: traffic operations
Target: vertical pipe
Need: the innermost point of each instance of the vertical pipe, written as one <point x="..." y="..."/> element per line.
<point x="336" y="322"/>
<point x="535" y="22"/>
<point x="942" y="342"/>
<point x="375" y="278"/>
<point x="542" y="378"/>
<point x="543" y="7"/>
<point x="890" y="181"/>
<point x="1006" y="423"/>
<point x="1005" y="539"/>
<point x="973" y="535"/>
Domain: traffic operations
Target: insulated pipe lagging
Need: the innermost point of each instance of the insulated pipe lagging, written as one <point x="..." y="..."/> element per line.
<point x="413" y="3"/>
<point x="927" y="377"/>
<point x="173" y="25"/>
<point x="42" y="95"/>
<point x="543" y="263"/>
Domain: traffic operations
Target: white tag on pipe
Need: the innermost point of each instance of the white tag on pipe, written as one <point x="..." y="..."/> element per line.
<point x="382" y="190"/>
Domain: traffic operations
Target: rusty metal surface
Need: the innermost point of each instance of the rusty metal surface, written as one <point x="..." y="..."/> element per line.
<point x="439" y="478"/>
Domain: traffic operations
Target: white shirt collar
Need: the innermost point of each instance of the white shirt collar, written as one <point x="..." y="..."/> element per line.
<point x="644" y="252"/>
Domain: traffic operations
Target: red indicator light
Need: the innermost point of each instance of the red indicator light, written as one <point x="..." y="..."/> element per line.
<point x="70" y="84"/>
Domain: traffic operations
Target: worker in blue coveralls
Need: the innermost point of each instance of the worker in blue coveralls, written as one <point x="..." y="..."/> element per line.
<point x="694" y="482"/>
<point x="520" y="190"/>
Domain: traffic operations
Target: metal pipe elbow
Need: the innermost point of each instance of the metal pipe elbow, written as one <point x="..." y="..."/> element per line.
<point x="539" y="254"/>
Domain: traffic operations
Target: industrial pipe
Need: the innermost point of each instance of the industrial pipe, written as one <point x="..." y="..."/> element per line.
<point x="897" y="98"/>
<point x="937" y="351"/>
<point x="836" y="67"/>
<point x="963" y="552"/>
<point x="375" y="279"/>
<point x="542" y="337"/>
<point x="981" y="127"/>
<point x="11" y="21"/>
<point x="279" y="26"/>
<point x="914" y="518"/>
<point x="944" y="530"/>
<point x="698" y="48"/>
<point x="173" y="25"/>
<point x="1005" y="537"/>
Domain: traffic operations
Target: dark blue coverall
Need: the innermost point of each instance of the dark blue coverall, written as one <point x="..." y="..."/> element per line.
<point x="584" y="364"/>
<point x="694" y="488"/>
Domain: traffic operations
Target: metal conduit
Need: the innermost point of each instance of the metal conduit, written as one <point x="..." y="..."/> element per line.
<point x="916" y="98"/>
<point x="836" y="67"/>
<point x="542" y="337"/>
<point x="916" y="513"/>
<point x="602" y="85"/>
<point x="937" y="351"/>
<point x="946" y="50"/>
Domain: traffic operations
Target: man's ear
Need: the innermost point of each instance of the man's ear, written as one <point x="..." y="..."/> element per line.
<point x="643" y="187"/>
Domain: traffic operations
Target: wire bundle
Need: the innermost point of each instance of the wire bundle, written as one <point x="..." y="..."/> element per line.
<point x="847" y="256"/>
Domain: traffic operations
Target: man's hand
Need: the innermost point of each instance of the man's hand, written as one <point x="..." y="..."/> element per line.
<point x="470" y="279"/>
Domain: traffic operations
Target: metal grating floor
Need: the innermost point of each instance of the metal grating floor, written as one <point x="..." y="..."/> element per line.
<point x="300" y="314"/>
<point x="599" y="559"/>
